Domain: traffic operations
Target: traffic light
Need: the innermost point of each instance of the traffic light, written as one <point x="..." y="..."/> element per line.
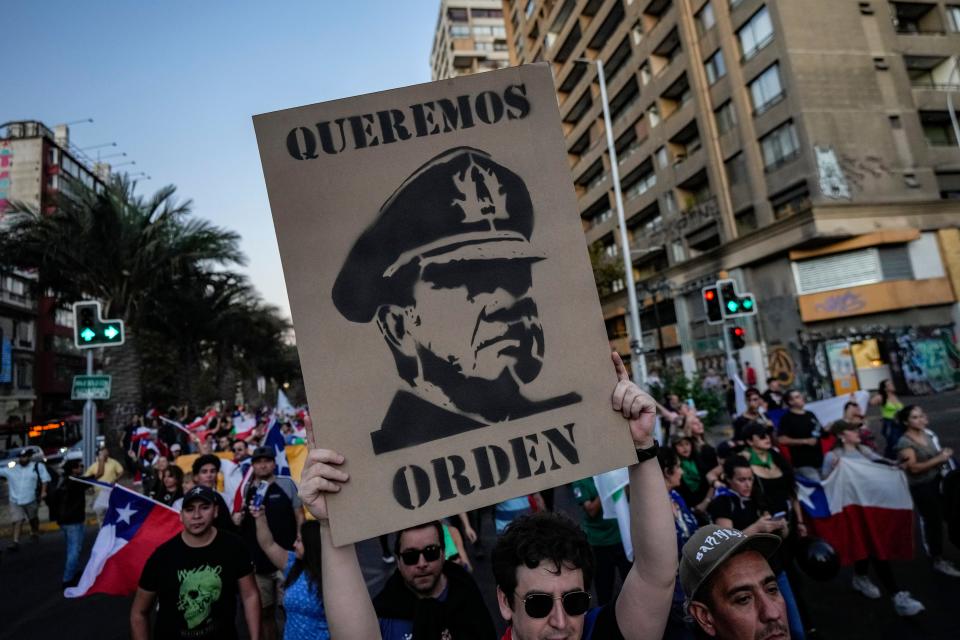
<point x="737" y="338"/>
<point x="732" y="303"/>
<point x="90" y="330"/>
<point x="711" y="305"/>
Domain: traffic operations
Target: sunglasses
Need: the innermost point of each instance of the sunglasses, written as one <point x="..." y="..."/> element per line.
<point x="430" y="553"/>
<point x="539" y="605"/>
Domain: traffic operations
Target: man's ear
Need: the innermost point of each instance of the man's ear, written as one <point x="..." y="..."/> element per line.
<point x="391" y="320"/>
<point x="505" y="611"/>
<point x="699" y="612"/>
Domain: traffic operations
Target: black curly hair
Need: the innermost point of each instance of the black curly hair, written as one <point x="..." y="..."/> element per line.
<point x="531" y="539"/>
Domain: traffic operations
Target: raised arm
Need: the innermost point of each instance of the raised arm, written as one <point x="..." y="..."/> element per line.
<point x="350" y="611"/>
<point x="644" y="602"/>
<point x="276" y="553"/>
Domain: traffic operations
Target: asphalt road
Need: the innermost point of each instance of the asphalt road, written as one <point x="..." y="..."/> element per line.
<point x="32" y="605"/>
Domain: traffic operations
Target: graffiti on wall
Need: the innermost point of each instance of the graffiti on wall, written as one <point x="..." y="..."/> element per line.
<point x="833" y="182"/>
<point x="859" y="170"/>
<point x="922" y="360"/>
<point x="926" y="363"/>
<point x="6" y="168"/>
<point x="780" y="365"/>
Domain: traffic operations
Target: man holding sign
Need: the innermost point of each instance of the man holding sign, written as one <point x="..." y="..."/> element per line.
<point x="542" y="564"/>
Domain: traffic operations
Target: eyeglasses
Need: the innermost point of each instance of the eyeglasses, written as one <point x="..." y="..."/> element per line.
<point x="539" y="605"/>
<point x="430" y="553"/>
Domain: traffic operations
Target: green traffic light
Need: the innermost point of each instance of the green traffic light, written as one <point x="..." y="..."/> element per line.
<point x="111" y="332"/>
<point x="88" y="334"/>
<point x="748" y="304"/>
<point x="732" y="306"/>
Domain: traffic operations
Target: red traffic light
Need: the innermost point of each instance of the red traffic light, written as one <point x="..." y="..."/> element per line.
<point x="739" y="332"/>
<point x="709" y="294"/>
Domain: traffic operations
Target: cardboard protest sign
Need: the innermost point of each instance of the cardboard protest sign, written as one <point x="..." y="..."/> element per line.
<point x="448" y="325"/>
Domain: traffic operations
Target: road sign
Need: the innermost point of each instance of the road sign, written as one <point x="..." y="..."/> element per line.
<point x="91" y="330"/>
<point x="91" y="388"/>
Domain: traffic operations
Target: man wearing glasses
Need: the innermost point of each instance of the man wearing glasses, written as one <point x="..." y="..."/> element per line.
<point x="543" y="563"/>
<point x="427" y="597"/>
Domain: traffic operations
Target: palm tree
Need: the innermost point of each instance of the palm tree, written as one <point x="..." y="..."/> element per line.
<point x="122" y="249"/>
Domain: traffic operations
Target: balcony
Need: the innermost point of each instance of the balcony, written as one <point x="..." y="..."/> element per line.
<point x="917" y="18"/>
<point x="938" y="129"/>
<point x="19" y="301"/>
<point x="932" y="73"/>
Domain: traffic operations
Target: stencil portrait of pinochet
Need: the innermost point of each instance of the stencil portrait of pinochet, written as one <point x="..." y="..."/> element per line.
<point x="445" y="272"/>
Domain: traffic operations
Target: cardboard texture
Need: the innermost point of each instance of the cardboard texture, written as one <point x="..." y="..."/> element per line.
<point x="448" y="325"/>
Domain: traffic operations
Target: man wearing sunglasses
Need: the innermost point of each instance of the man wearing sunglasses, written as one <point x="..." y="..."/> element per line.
<point x="561" y="570"/>
<point x="427" y="597"/>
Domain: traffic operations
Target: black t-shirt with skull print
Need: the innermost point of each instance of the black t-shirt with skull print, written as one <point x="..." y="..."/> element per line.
<point x="196" y="587"/>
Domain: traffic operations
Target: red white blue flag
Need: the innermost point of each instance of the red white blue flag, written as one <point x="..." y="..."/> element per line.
<point x="863" y="509"/>
<point x="133" y="527"/>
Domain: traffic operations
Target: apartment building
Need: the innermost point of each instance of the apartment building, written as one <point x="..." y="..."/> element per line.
<point x="470" y="37"/>
<point x="37" y="356"/>
<point x="804" y="147"/>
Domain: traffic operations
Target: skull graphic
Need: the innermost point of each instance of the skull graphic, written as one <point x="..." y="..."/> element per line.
<point x="199" y="589"/>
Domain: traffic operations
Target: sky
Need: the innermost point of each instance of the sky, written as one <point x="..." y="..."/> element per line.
<point x="175" y="83"/>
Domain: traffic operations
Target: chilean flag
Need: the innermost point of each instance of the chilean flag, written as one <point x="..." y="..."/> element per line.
<point x="862" y="509"/>
<point x="274" y="438"/>
<point x="133" y="527"/>
<point x="243" y="425"/>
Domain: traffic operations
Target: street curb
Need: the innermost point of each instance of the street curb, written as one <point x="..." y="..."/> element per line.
<point x="45" y="527"/>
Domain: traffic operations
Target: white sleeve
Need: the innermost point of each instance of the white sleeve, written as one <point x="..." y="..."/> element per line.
<point x="44" y="474"/>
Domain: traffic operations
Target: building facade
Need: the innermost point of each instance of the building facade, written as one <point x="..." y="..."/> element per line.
<point x="36" y="332"/>
<point x="804" y="148"/>
<point x="470" y="37"/>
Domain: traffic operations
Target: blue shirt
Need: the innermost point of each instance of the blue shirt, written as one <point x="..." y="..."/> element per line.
<point x="686" y="523"/>
<point x="509" y="510"/>
<point x="306" y="619"/>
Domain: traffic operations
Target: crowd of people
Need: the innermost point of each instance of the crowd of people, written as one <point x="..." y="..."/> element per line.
<point x="726" y="564"/>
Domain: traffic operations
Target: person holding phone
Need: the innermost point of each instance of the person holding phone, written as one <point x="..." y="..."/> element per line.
<point x="735" y="508"/>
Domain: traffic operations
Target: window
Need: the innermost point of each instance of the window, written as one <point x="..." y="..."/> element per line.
<point x="937" y="128"/>
<point x="715" y="67"/>
<point x="746" y="221"/>
<point x="791" y="201"/>
<point x="953" y="17"/>
<point x="736" y="168"/>
<point x="24" y="334"/>
<point x="766" y="90"/>
<point x="705" y="18"/>
<point x="486" y="13"/>
<point x="779" y="146"/>
<point x="459" y="31"/>
<point x="669" y="202"/>
<point x="726" y="117"/>
<point x="663" y="158"/>
<point x="653" y="115"/>
<point x="756" y="33"/>
<point x="645" y="74"/>
<point x="24" y="374"/>
<point x="457" y="15"/>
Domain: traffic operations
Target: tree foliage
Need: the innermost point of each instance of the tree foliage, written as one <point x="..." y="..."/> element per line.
<point x="195" y="328"/>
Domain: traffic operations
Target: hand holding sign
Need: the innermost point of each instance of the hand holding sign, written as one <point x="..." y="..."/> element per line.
<point x="635" y="405"/>
<point x="320" y="476"/>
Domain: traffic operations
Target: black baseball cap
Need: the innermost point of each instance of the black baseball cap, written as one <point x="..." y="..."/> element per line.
<point x="263" y="452"/>
<point x="204" y="494"/>
<point x="711" y="546"/>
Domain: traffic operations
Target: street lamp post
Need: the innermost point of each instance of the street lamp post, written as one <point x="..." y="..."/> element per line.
<point x="639" y="361"/>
